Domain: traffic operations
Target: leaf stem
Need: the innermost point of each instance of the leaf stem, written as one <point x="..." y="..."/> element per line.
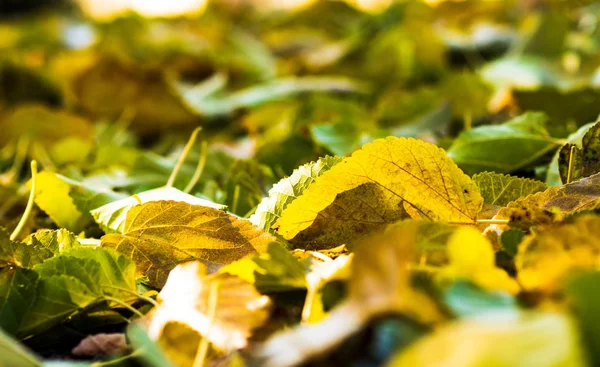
<point x="140" y="296"/>
<point x="492" y="221"/>
<point x="202" y="352"/>
<point x="199" y="168"/>
<point x="468" y="121"/>
<point x="123" y="304"/>
<point x="183" y="156"/>
<point x="571" y="168"/>
<point x="236" y="198"/>
<point x="29" y="206"/>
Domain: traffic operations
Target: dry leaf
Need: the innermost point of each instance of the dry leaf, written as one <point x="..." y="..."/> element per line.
<point x="186" y="298"/>
<point x="159" y="235"/>
<point x="101" y="344"/>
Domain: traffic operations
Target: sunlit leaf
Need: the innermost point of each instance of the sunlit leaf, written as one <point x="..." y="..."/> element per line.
<point x="500" y="339"/>
<point x="159" y="235"/>
<point x="288" y="189"/>
<point x="56" y="241"/>
<point x="385" y="181"/>
<point x="111" y="217"/>
<point x="186" y="299"/>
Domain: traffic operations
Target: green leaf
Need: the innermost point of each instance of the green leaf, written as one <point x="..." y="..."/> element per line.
<point x="102" y="271"/>
<point x="19" y="254"/>
<point x="111" y="217"/>
<point x="511" y="239"/>
<point x="18" y="291"/>
<point x="514" y="145"/>
<point x="583" y="294"/>
<point x="16" y="355"/>
<point x="499" y="190"/>
<point x="149" y="351"/>
<point x="57" y="241"/>
<point x="58" y="297"/>
<point x="465" y="299"/>
<point x="288" y="189"/>
<point x="74" y="280"/>
<point x="274" y="271"/>
<point x="159" y="235"/>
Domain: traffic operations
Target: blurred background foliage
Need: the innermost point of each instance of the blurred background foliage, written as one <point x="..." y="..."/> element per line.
<point x="105" y="93"/>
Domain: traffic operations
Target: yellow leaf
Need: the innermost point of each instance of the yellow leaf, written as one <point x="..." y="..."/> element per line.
<point x="472" y="257"/>
<point x="544" y="259"/>
<point x="498" y="339"/>
<point x="385" y="181"/>
<point x="222" y="308"/>
<point x="52" y="196"/>
<point x="158" y="235"/>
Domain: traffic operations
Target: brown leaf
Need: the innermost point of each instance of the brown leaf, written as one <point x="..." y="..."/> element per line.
<point x="101" y="344"/>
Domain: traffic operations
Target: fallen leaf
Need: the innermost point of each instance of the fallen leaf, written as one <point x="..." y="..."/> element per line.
<point x="547" y="206"/>
<point x="111" y="217"/>
<point x="186" y="299"/>
<point x="514" y="145"/>
<point x="98" y="345"/>
<point x="501" y="339"/>
<point x="585" y="160"/>
<point x="288" y="190"/>
<point x="159" y="235"/>
<point x="385" y="181"/>
<point x="472" y="258"/>
<point x="498" y="189"/>
<point x="545" y="258"/>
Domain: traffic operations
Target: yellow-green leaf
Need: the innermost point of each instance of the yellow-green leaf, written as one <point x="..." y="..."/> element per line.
<point x="288" y="189"/>
<point x="52" y="196"/>
<point x="387" y="180"/>
<point x="498" y="189"/>
<point x="159" y="235"/>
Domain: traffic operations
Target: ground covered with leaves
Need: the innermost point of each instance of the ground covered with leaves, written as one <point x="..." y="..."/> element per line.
<point x="320" y="187"/>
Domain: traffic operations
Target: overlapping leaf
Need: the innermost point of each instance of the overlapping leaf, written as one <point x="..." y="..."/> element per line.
<point x="505" y="148"/>
<point x="111" y="217"/>
<point x="222" y="308"/>
<point x="498" y="189"/>
<point x="585" y="160"/>
<point x="288" y="189"/>
<point x="385" y="181"/>
<point x="546" y="206"/>
<point x="159" y="235"/>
